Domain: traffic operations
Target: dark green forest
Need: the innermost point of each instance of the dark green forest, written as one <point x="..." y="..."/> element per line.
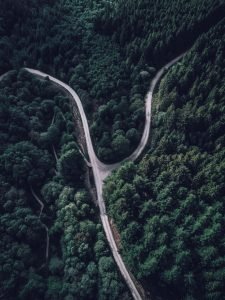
<point x="108" y="52"/>
<point x="169" y="207"/>
<point x="36" y="122"/>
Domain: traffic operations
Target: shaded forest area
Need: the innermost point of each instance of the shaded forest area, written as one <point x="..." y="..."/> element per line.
<point x="169" y="207"/>
<point x="39" y="156"/>
<point x="107" y="51"/>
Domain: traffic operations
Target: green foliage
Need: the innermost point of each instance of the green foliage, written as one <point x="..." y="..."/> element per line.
<point x="31" y="128"/>
<point x="106" y="56"/>
<point x="71" y="166"/>
<point x="108" y="52"/>
<point x="24" y="164"/>
<point x="83" y="276"/>
<point x="169" y="208"/>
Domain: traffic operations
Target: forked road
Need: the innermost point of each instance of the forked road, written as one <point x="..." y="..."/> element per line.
<point x="101" y="171"/>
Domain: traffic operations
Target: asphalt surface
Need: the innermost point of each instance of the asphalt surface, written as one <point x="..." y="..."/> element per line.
<point x="101" y="170"/>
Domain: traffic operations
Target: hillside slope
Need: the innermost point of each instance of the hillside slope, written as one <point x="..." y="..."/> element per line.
<point x="107" y="51"/>
<point x="169" y="208"/>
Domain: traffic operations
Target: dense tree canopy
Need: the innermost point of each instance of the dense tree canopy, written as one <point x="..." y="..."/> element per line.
<point x="36" y="121"/>
<point x="107" y="51"/>
<point x="169" y="208"/>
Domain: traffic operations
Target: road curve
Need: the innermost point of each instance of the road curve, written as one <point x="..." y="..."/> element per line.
<point x="106" y="169"/>
<point x="101" y="171"/>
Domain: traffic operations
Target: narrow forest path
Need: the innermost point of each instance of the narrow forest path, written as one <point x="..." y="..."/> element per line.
<point x="45" y="226"/>
<point x="101" y="170"/>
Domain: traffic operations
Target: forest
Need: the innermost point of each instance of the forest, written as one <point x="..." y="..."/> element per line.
<point x="39" y="158"/>
<point x="168" y="207"/>
<point x="87" y="45"/>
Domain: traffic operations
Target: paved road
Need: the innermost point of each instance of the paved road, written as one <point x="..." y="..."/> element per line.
<point x="105" y="169"/>
<point x="101" y="171"/>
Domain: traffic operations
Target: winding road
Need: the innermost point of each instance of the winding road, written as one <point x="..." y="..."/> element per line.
<point x="101" y="171"/>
